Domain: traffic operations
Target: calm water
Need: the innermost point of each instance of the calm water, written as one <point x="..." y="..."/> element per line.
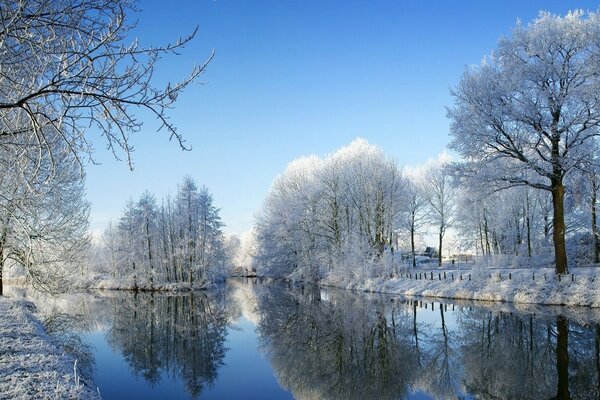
<point x="275" y="341"/>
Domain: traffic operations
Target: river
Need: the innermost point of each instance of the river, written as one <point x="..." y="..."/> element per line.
<point x="253" y="340"/>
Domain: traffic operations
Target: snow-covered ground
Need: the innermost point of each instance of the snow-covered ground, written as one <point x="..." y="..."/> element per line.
<point x="524" y="285"/>
<point x="115" y="284"/>
<point x="33" y="366"/>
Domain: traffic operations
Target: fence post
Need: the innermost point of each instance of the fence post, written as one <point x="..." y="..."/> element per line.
<point x="452" y="276"/>
<point x="444" y="275"/>
<point x="431" y="275"/>
<point x="509" y="275"/>
<point x="469" y="276"/>
<point x="533" y="274"/>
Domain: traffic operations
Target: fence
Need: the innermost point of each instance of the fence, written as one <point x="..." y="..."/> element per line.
<point x="520" y="276"/>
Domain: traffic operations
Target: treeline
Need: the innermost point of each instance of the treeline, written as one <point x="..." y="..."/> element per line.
<point x="179" y="241"/>
<point x="355" y="215"/>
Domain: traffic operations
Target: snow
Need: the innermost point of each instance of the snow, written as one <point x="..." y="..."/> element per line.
<point x="33" y="365"/>
<point x="116" y="284"/>
<point x="581" y="288"/>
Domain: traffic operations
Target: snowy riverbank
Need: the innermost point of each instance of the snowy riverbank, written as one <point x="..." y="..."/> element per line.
<point x="115" y="284"/>
<point x="33" y="364"/>
<point x="527" y="286"/>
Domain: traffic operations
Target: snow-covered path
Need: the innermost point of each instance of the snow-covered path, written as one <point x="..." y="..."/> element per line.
<point x="32" y="366"/>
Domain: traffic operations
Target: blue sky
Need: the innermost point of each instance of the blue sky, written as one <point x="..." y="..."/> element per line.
<point x="293" y="78"/>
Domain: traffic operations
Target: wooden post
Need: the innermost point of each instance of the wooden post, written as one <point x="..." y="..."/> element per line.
<point x="444" y="275"/>
<point x="509" y="275"/>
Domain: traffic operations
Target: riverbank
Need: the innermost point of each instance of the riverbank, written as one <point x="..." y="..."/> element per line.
<point x="526" y="286"/>
<point x="33" y="365"/>
<point x="159" y="287"/>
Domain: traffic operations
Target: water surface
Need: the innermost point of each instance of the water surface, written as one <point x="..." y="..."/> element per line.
<point x="254" y="340"/>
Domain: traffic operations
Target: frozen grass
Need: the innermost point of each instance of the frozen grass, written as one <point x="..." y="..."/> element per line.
<point x="526" y="286"/>
<point x="32" y="365"/>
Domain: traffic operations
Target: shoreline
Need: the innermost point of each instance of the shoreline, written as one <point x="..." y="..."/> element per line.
<point x="524" y="286"/>
<point x="34" y="364"/>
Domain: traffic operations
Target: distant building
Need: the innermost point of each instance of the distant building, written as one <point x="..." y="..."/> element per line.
<point x="429" y="252"/>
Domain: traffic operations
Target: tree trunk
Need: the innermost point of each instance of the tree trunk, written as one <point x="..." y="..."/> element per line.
<point x="562" y="358"/>
<point x="440" y="250"/>
<point x="528" y="237"/>
<point x="412" y="246"/>
<point x="1" y="267"/>
<point x="595" y="233"/>
<point x="558" y="225"/>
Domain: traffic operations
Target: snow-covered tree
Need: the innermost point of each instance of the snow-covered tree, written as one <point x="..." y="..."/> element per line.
<point x="43" y="215"/>
<point x="180" y="241"/>
<point x="67" y="67"/>
<point x="528" y="113"/>
<point x="415" y="213"/>
<point x="440" y="193"/>
<point x="332" y="216"/>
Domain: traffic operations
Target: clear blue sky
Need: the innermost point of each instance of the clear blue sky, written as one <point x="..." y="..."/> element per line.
<point x="292" y="78"/>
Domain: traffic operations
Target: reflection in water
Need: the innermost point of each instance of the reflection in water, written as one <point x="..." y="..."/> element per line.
<point x="180" y="335"/>
<point x="340" y="348"/>
<point x="333" y="344"/>
<point x="337" y="344"/>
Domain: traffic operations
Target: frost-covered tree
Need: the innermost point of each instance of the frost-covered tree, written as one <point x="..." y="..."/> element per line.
<point x="68" y="72"/>
<point x="67" y="67"/>
<point x="43" y="220"/>
<point x="330" y="217"/>
<point x="440" y="194"/>
<point x="415" y="213"/>
<point x="180" y="241"/>
<point x="528" y="113"/>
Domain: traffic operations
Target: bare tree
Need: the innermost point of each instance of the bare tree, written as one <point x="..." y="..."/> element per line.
<point x="441" y="195"/>
<point x="66" y="68"/>
<point x="416" y="214"/>
<point x="527" y="115"/>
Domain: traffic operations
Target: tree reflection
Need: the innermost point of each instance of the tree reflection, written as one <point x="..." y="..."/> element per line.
<point x="182" y="336"/>
<point x="341" y="347"/>
<point x="332" y="344"/>
<point x="339" y="344"/>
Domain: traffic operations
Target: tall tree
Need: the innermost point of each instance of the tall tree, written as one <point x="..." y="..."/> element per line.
<point x="415" y="214"/>
<point x="441" y="198"/>
<point x="527" y="114"/>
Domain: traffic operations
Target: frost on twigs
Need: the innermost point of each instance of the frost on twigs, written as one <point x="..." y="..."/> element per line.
<point x="68" y="69"/>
